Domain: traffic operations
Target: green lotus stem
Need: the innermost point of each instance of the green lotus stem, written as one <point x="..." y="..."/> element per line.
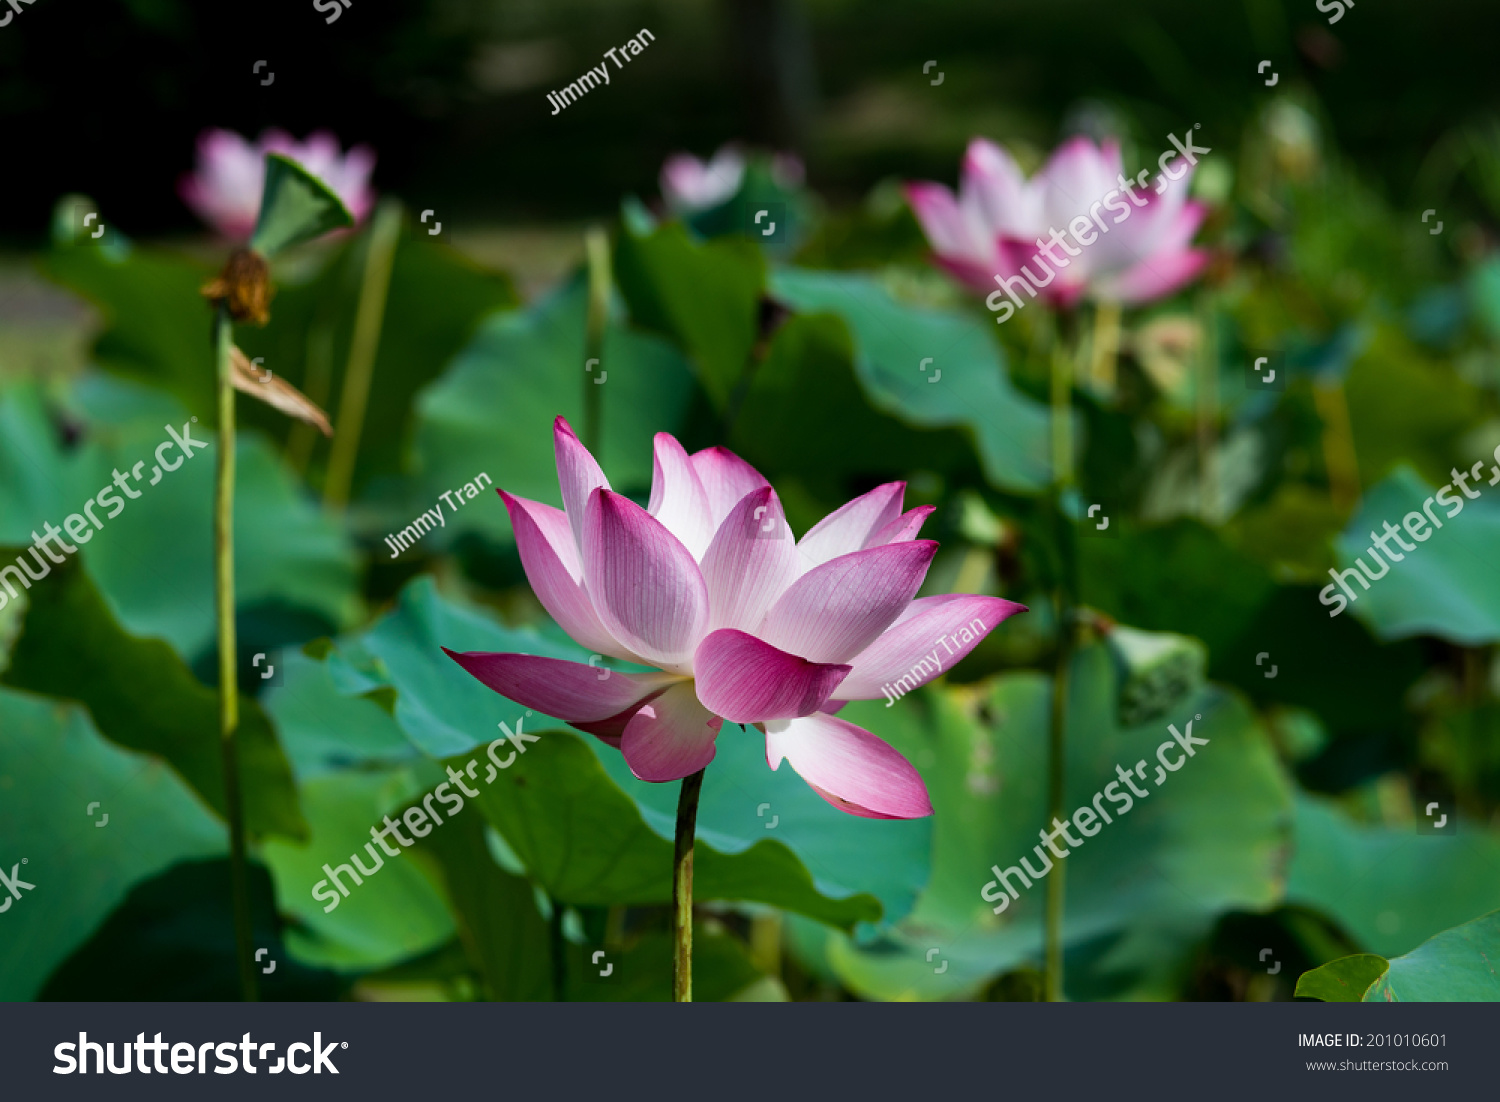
<point x="385" y="231"/>
<point x="317" y="382"/>
<point x="1207" y="416"/>
<point x="229" y="701"/>
<point x="682" y="889"/>
<point x="1057" y="752"/>
<point x="614" y="926"/>
<point x="1339" y="456"/>
<point x="765" y="943"/>
<point x="1104" y="349"/>
<point x="559" y="949"/>
<point x="596" y="245"/>
<point x="1062" y="411"/>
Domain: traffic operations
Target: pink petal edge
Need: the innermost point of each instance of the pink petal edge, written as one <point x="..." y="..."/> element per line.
<point x="849" y="767"/>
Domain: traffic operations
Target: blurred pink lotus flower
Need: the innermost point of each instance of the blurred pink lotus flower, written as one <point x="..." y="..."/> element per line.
<point x="691" y="185"/>
<point x="224" y="189"/>
<point x="740" y="621"/>
<point x="1001" y="221"/>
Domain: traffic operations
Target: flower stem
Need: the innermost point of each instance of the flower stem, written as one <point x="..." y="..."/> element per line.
<point x="317" y="381"/>
<point x="682" y="889"/>
<point x="596" y="246"/>
<point x="1062" y="413"/>
<point x="229" y="701"/>
<point x="369" y="316"/>
<point x="1057" y="751"/>
<point x="559" y="953"/>
<point x="1104" y="349"/>
<point x="1207" y="417"/>
<point x="1339" y="456"/>
<point x="1063" y="353"/>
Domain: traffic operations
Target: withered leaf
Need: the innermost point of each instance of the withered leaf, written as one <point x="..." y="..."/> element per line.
<point x="275" y="391"/>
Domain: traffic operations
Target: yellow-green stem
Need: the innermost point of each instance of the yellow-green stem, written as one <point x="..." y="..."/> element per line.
<point x="1057" y="749"/>
<point x="369" y="316"/>
<point x="1062" y="412"/>
<point x="1063" y="354"/>
<point x="765" y="943"/>
<point x="1104" y="348"/>
<point x="614" y="926"/>
<point x="1339" y="456"/>
<point x="1207" y="416"/>
<point x="596" y="245"/>
<point x="559" y="944"/>
<point x="229" y="703"/>
<point x="682" y="889"/>
<point x="317" y="382"/>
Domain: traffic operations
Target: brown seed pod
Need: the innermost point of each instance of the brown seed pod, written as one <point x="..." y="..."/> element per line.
<point x="244" y="286"/>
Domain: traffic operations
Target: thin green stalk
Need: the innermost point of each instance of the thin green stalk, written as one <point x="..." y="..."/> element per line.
<point x="1064" y="595"/>
<point x="1062" y="412"/>
<point x="614" y="926"/>
<point x="369" y="316"/>
<point x="317" y="382"/>
<point x="559" y="954"/>
<point x="1207" y="416"/>
<point x="1104" y="349"/>
<point x="596" y="246"/>
<point x="229" y="702"/>
<point x="765" y="943"/>
<point x="1057" y="751"/>
<point x="682" y="889"/>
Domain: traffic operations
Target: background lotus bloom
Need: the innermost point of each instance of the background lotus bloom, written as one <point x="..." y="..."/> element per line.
<point x="740" y="621"/>
<point x="992" y="228"/>
<point x="225" y="187"/>
<point x="690" y="185"/>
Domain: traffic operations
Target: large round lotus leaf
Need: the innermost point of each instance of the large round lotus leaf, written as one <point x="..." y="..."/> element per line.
<point x="1445" y="584"/>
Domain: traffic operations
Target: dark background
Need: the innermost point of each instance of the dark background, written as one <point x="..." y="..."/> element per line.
<point x="106" y="96"/>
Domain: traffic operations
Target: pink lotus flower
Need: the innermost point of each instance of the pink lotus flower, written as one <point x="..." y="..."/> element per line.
<point x="740" y="622"/>
<point x="224" y="189"/>
<point x="691" y="185"/>
<point x="1000" y="222"/>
